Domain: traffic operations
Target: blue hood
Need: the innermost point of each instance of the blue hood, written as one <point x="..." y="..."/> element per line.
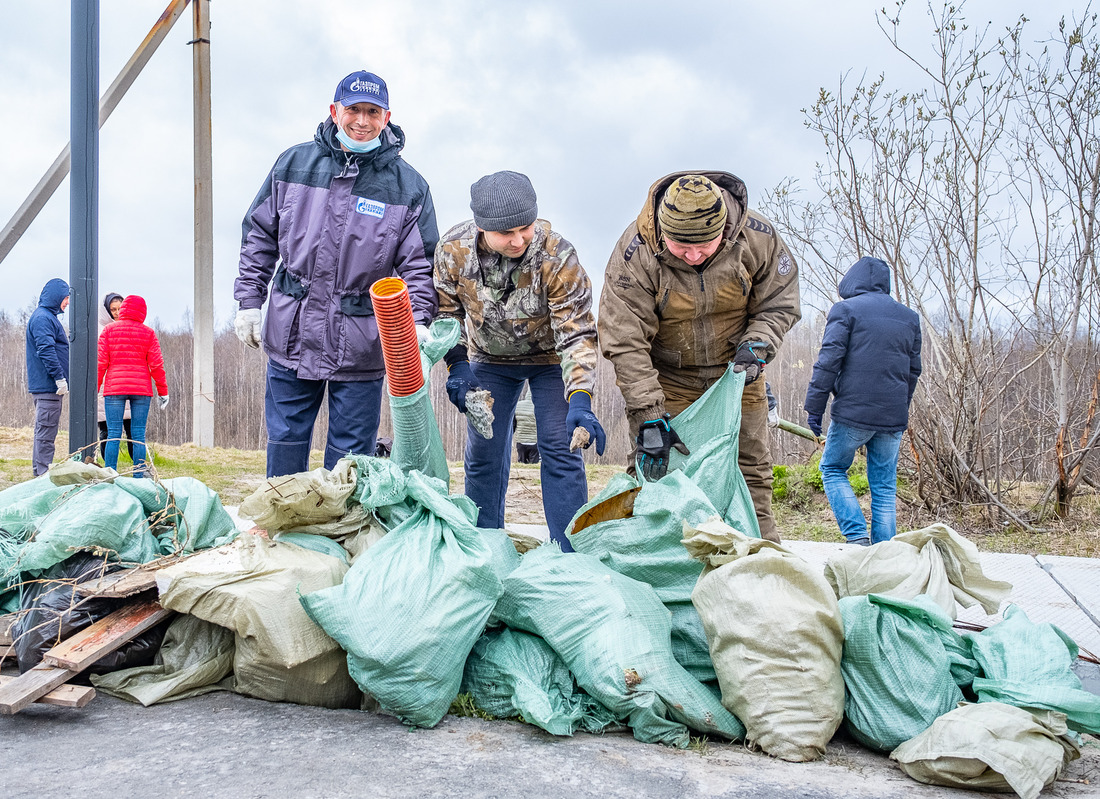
<point x="866" y="276"/>
<point x="52" y="295"/>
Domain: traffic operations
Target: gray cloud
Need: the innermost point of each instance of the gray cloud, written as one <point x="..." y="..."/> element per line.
<point x="593" y="100"/>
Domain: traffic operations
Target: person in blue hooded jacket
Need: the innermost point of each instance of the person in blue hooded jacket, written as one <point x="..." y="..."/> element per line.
<point x="869" y="362"/>
<point x="47" y="369"/>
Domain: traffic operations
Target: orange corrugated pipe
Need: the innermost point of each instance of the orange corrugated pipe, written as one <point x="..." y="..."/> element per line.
<point x="397" y="332"/>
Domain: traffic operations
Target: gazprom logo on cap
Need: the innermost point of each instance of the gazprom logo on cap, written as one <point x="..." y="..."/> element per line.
<point x="370" y="207"/>
<point x="360" y="85"/>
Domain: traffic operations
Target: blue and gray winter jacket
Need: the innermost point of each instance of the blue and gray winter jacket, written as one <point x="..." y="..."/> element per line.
<point x="326" y="225"/>
<point x="47" y="341"/>
<point x="870" y="354"/>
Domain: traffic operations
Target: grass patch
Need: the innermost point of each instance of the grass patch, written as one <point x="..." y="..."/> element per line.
<point x="464" y="706"/>
<point x="700" y="745"/>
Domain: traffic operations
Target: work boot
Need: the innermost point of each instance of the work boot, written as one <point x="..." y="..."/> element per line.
<point x="862" y="541"/>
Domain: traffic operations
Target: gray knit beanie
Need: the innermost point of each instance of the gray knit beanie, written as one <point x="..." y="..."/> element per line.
<point x="503" y="201"/>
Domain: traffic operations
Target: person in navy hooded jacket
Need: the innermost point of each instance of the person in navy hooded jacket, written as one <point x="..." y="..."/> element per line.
<point x="869" y="362"/>
<point x="47" y="369"/>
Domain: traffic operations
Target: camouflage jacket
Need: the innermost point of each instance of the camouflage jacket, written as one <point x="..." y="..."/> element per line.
<point x="537" y="309"/>
<point x="658" y="313"/>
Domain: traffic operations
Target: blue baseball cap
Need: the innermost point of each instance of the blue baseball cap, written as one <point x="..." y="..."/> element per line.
<point x="363" y="87"/>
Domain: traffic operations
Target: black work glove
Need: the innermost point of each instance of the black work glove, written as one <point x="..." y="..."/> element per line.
<point x="460" y="380"/>
<point x="656" y="438"/>
<point x="813" y="421"/>
<point x="745" y="360"/>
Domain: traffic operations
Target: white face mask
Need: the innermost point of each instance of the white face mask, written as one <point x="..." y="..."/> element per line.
<point x="358" y="146"/>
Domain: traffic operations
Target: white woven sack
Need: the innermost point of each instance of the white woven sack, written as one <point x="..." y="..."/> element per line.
<point x="935" y="561"/>
<point x="775" y="637"/>
<point x="990" y="746"/>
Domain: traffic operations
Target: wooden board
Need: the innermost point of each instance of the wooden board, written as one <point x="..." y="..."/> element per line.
<point x="6" y="622"/>
<point x="119" y="584"/>
<point x="620" y="506"/>
<point x="62" y="696"/>
<point x="106" y="635"/>
<point x="29" y="687"/>
<point x="128" y="582"/>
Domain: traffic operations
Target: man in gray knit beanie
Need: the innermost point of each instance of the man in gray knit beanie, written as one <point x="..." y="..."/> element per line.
<point x="525" y="304"/>
<point x="502" y="201"/>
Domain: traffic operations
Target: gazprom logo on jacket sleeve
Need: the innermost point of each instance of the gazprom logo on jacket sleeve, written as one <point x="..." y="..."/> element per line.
<point x="370" y="207"/>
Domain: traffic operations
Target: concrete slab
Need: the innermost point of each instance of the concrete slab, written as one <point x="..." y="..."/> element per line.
<point x="540" y="531"/>
<point x="1080" y="577"/>
<point x="1034" y="590"/>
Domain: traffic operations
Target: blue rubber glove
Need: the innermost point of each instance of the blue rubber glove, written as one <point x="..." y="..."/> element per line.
<point x="813" y="421"/>
<point x="580" y="415"/>
<point x="459" y="382"/>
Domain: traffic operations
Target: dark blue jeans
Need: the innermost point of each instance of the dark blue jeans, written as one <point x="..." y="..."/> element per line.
<point x="489" y="461"/>
<point x="290" y="408"/>
<point x="114" y="407"/>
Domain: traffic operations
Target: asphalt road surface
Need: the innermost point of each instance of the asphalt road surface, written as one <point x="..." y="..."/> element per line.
<point x="224" y="745"/>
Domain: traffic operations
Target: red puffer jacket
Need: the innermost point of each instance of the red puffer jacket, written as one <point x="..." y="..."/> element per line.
<point x="129" y="355"/>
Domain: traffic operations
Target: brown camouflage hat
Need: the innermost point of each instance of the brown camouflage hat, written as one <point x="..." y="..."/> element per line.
<point x="692" y="210"/>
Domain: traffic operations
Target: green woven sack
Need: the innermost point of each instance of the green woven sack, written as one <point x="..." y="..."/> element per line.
<point x="1029" y="666"/>
<point x="512" y="673"/>
<point x="416" y="440"/>
<point x="412" y="606"/>
<point x="646" y="545"/>
<point x="614" y="635"/>
<point x="902" y="666"/>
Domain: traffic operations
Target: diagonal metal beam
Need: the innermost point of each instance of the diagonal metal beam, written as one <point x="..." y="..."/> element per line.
<point x="41" y="193"/>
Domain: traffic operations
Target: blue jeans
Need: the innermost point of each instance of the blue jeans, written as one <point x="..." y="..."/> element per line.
<point x="290" y="409"/>
<point x="114" y="407"/>
<point x="488" y="461"/>
<point x="882" y="476"/>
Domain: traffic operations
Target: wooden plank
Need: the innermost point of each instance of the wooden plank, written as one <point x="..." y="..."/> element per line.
<point x="63" y="695"/>
<point x="106" y="635"/>
<point x="7" y="621"/>
<point x="119" y="584"/>
<point x="31" y="686"/>
<point x="128" y="582"/>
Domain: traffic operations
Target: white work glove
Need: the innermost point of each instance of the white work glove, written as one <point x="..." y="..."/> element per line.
<point x="163" y="402"/>
<point x="62" y="386"/>
<point x="422" y="334"/>
<point x="247" y="326"/>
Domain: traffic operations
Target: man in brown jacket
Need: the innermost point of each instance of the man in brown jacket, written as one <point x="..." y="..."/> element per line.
<point x="697" y="282"/>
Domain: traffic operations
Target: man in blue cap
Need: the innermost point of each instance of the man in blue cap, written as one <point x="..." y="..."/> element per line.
<point x="47" y="369"/>
<point x="335" y="215"/>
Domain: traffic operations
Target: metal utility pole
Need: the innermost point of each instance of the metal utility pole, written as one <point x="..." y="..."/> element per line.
<point x="84" y="223"/>
<point x="202" y="418"/>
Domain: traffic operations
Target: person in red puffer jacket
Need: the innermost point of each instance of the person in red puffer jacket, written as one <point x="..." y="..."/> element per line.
<point x="130" y="362"/>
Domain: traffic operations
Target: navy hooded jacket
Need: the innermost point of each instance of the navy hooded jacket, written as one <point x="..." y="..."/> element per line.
<point x="47" y="341"/>
<point x="870" y="354"/>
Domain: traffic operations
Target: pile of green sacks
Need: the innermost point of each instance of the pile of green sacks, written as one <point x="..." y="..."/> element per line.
<point x="80" y="507"/>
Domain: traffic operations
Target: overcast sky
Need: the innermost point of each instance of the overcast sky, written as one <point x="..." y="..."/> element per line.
<point x="593" y="100"/>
